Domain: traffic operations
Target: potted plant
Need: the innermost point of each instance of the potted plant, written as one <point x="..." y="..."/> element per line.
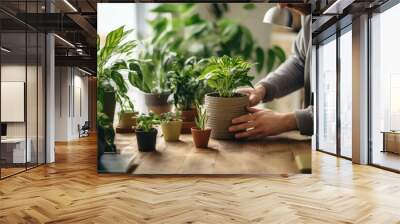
<point x="171" y="125"/>
<point x="187" y="89"/>
<point x="146" y="133"/>
<point x="111" y="86"/>
<point x="149" y="75"/>
<point x="110" y="64"/>
<point x="127" y="117"/>
<point x="201" y="134"/>
<point x="225" y="75"/>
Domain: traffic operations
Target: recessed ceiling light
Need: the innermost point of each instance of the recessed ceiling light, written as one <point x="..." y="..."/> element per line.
<point x="70" y="5"/>
<point x="5" y="50"/>
<point x="64" y="40"/>
<point x="84" y="71"/>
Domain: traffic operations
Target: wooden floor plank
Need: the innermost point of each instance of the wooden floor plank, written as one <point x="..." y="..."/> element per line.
<point x="71" y="191"/>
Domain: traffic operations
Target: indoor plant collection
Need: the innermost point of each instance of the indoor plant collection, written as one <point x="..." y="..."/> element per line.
<point x="224" y="75"/>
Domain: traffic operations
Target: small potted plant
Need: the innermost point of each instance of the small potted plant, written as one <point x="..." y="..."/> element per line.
<point x="187" y="89"/>
<point x="171" y="125"/>
<point x="225" y="75"/>
<point x="201" y="134"/>
<point x="127" y="117"/>
<point x="146" y="133"/>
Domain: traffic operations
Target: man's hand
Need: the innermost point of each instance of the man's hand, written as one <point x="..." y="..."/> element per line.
<point x="260" y="123"/>
<point x="255" y="95"/>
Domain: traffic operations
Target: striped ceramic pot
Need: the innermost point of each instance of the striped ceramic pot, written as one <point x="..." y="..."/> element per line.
<point x="221" y="111"/>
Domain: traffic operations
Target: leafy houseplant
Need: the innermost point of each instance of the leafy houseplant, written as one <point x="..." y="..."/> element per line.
<point x="171" y="125"/>
<point x="225" y="75"/>
<point x="184" y="31"/>
<point x="149" y="75"/>
<point x="187" y="89"/>
<point x="201" y="134"/>
<point x="111" y="86"/>
<point x="146" y="133"/>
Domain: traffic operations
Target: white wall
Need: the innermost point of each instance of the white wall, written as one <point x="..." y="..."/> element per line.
<point x="70" y="84"/>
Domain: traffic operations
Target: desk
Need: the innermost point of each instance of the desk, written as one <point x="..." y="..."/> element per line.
<point x="13" y="150"/>
<point x="279" y="155"/>
<point x="391" y="141"/>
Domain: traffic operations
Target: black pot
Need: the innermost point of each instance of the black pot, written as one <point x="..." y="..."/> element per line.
<point x="109" y="104"/>
<point x="146" y="140"/>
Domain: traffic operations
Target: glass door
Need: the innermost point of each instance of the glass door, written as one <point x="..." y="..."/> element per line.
<point x="385" y="89"/>
<point x="326" y="72"/>
<point x="345" y="42"/>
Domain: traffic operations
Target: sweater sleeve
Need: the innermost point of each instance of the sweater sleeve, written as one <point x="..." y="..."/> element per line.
<point x="304" y="120"/>
<point x="289" y="76"/>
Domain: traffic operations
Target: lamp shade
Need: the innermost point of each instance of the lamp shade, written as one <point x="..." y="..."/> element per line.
<point x="279" y="16"/>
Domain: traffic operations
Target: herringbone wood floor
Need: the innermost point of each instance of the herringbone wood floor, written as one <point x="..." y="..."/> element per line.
<point x="71" y="191"/>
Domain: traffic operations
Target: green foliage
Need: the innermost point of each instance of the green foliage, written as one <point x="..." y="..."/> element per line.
<point x="105" y="131"/>
<point x="110" y="65"/>
<point x="184" y="84"/>
<point x="225" y="74"/>
<point x="185" y="32"/>
<point x="201" y="118"/>
<point x="149" y="72"/>
<point x="146" y="122"/>
<point x="170" y="116"/>
<point x="276" y="56"/>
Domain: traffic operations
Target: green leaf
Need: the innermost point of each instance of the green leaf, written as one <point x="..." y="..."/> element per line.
<point x="249" y="6"/>
<point x="260" y="57"/>
<point x="280" y="53"/>
<point x="270" y="60"/>
<point x="167" y="8"/>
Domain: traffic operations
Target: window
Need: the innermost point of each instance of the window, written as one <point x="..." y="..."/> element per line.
<point x="346" y="94"/>
<point x="385" y="89"/>
<point x="327" y="96"/>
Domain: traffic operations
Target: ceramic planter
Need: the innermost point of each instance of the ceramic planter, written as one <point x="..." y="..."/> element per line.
<point x="188" y="117"/>
<point x="109" y="104"/>
<point x="221" y="111"/>
<point x="171" y="130"/>
<point x="157" y="103"/>
<point x="146" y="141"/>
<point x="201" y="137"/>
<point x="127" y="120"/>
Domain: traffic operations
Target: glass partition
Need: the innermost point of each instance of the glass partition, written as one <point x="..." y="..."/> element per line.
<point x="327" y="96"/>
<point x="22" y="77"/>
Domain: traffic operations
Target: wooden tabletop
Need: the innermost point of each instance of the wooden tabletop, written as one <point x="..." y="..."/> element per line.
<point x="276" y="155"/>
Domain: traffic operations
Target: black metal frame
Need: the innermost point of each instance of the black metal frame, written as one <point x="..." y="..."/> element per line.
<point x="44" y="80"/>
<point x="387" y="5"/>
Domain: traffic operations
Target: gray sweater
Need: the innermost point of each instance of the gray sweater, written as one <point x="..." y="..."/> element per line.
<point x="292" y="75"/>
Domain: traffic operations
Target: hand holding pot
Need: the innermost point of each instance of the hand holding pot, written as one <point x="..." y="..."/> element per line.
<point x="260" y="123"/>
<point x="256" y="94"/>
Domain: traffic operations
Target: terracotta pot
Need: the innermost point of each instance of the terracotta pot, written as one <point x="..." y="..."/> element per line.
<point x="201" y="137"/>
<point x="221" y="111"/>
<point x="171" y="130"/>
<point x="157" y="103"/>
<point x="127" y="119"/>
<point x="109" y="104"/>
<point x="146" y="140"/>
<point x="189" y="115"/>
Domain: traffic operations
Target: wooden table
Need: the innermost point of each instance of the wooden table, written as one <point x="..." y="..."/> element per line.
<point x="269" y="156"/>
